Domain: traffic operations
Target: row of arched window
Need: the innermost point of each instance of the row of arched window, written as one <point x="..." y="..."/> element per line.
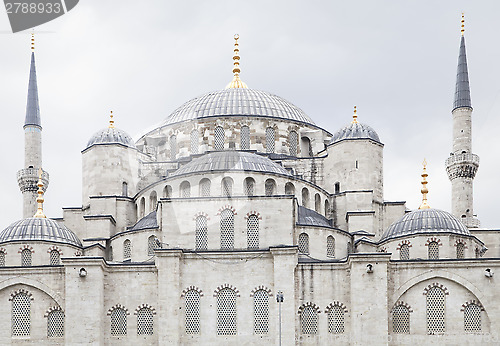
<point x="304" y="245"/>
<point x="309" y="317"/>
<point x="26" y="258"/>
<point x="118" y="320"/>
<point x="432" y="250"/>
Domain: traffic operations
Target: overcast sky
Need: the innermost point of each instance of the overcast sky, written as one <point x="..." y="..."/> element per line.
<point x="395" y="60"/>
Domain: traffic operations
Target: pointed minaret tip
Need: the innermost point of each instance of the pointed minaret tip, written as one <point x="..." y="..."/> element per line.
<point x="462" y="88"/>
<point x="40" y="199"/>
<point x="463" y="24"/>
<point x="32" y="41"/>
<point x="32" y="106"/>
<point x="236" y="82"/>
<point x="424" y="189"/>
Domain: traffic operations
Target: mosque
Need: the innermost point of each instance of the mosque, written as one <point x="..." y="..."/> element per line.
<point x="240" y="221"/>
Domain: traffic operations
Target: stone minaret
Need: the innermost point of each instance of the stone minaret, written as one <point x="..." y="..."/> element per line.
<point x="462" y="164"/>
<point x="27" y="178"/>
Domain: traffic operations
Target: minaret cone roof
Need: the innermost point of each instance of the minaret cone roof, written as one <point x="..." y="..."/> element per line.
<point x="462" y="91"/>
<point x="32" y="107"/>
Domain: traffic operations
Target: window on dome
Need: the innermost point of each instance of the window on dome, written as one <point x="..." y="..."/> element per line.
<point x="145" y="321"/>
<point x="433" y="250"/>
<point x="249" y="186"/>
<point x="289" y="189"/>
<point x="194" y="142"/>
<point x="261" y="312"/>
<point x="55" y="324"/>
<point x="435" y="310"/>
<point x="142" y="207"/>
<point x="293" y="139"/>
<point x="270" y="187"/>
<point x="153" y="200"/>
<point x="226" y="312"/>
<point x="404" y="252"/>
<point x="227" y="187"/>
<point x="2" y="259"/>
<point x="55" y="258"/>
<point x="21" y="315"/>
<point x="26" y="258"/>
<point x="185" y="189"/>
<point x="305" y="197"/>
<point x="205" y="185"/>
<point x="167" y="191"/>
<point x="227" y="229"/>
<point x="327" y="208"/>
<point x="309" y="321"/>
<point x="173" y="147"/>
<point x="336" y="320"/>
<point x="253" y="232"/>
<point x="460" y="250"/>
<point x="118" y="322"/>
<point x="152" y="245"/>
<point x="304" y="243"/>
<point x="270" y="140"/>
<point x="401" y="320"/>
<point x="219" y="138"/>
<point x="201" y="241"/>
<point x="317" y="203"/>
<point x="124" y="189"/>
<point x="127" y="249"/>
<point x="192" y="309"/>
<point x="472" y="318"/>
<point x="330" y="246"/>
<point x="245" y="138"/>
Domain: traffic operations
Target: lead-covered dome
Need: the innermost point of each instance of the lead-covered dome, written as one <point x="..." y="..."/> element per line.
<point x="221" y="161"/>
<point x="237" y="102"/>
<point x="423" y="221"/>
<point x="355" y="130"/>
<point x="41" y="229"/>
<point x="111" y="135"/>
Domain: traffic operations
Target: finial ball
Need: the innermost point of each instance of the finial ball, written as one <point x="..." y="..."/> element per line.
<point x="236" y="36"/>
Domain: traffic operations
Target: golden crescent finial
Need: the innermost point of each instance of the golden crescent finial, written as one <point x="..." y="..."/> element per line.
<point x="32" y="41"/>
<point x="355" y="116"/>
<point x="111" y="121"/>
<point x="39" y="213"/>
<point x="424" y="189"/>
<point x="463" y="24"/>
<point x="236" y="82"/>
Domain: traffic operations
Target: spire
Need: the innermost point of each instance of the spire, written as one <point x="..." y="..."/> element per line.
<point x="39" y="199"/>
<point x="424" y="190"/>
<point x="32" y="107"/>
<point x="355" y="116"/>
<point x="462" y="91"/>
<point x="236" y="82"/>
<point x="111" y="121"/>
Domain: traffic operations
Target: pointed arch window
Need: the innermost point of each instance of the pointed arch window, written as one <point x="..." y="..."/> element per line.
<point x="270" y="187"/>
<point x="194" y="142"/>
<point x="55" y="258"/>
<point x="205" y="185"/>
<point x="167" y="191"/>
<point x="435" y="310"/>
<point x="433" y="250"/>
<point x="304" y="243"/>
<point x="201" y="235"/>
<point x="2" y="259"/>
<point x="249" y="186"/>
<point x="26" y="258"/>
<point x="21" y="315"/>
<point x="330" y="246"/>
<point x="142" y="207"/>
<point x="317" y="203"/>
<point x="270" y="140"/>
<point x="153" y="200"/>
<point x="227" y="229"/>
<point x="289" y="189"/>
<point x="151" y="245"/>
<point x="127" y="249"/>
<point x="55" y="324"/>
<point x="253" y="232"/>
<point x="220" y="138"/>
<point x="401" y="320"/>
<point x="404" y="252"/>
<point x="192" y="309"/>
<point x="472" y="318"/>
<point x="145" y="321"/>
<point x="327" y="208"/>
<point x="227" y="187"/>
<point x="173" y="147"/>
<point x="305" y="197"/>
<point x="460" y="250"/>
<point x="309" y="321"/>
<point x="226" y="312"/>
<point x="118" y="322"/>
<point x="261" y="312"/>
<point x="185" y="189"/>
<point x="245" y="138"/>
<point x="336" y="323"/>
<point x="293" y="140"/>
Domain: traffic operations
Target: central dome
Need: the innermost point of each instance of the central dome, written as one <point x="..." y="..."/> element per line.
<point x="237" y="102"/>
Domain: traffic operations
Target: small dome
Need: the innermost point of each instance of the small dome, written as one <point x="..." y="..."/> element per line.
<point x="355" y="131"/>
<point x="218" y="161"/>
<point x="423" y="221"/>
<point x="111" y="135"/>
<point x="39" y="229"/>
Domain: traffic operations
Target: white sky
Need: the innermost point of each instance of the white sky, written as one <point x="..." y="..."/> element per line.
<point x="395" y="60"/>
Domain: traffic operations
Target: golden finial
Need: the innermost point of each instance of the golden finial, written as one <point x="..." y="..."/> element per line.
<point x="39" y="199"/>
<point x="236" y="82"/>
<point x="424" y="190"/>
<point x="355" y="116"/>
<point x="111" y="121"/>
<point x="32" y="41"/>
<point x="463" y="24"/>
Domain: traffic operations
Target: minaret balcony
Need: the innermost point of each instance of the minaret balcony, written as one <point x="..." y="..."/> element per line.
<point x="27" y="179"/>
<point x="463" y="165"/>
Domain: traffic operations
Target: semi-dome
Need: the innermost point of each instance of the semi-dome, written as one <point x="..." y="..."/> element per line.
<point x="41" y="229"/>
<point x="220" y="161"/>
<point x="237" y="102"/>
<point x="111" y="135"/>
<point x="426" y="221"/>
<point x="355" y="130"/>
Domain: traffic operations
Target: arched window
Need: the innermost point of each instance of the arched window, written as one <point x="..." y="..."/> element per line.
<point x="127" y="249"/>
<point x="245" y="138"/>
<point x="201" y="235"/>
<point x="185" y="189"/>
<point x="249" y="186"/>
<point x="460" y="250"/>
<point x="270" y="140"/>
<point x="261" y="312"/>
<point x="153" y="200"/>
<point x="293" y="139"/>
<point x="142" y="207"/>
<point x="219" y="138"/>
<point x="55" y="324"/>
<point x="2" y="259"/>
<point x="226" y="312"/>
<point x="253" y="232"/>
<point x="26" y="258"/>
<point x="205" y="185"/>
<point x="404" y="252"/>
<point x="270" y="187"/>
<point x="227" y="229"/>
<point x="145" y="321"/>
<point x="433" y="250"/>
<point x="305" y="147"/>
<point x="124" y="189"/>
<point x="317" y="203"/>
<point x="173" y="147"/>
<point x="472" y="318"/>
<point x="337" y="187"/>
<point x="305" y="197"/>
<point x="336" y="320"/>
<point x="192" y="300"/>
<point x="330" y="246"/>
<point x="309" y="321"/>
<point x="151" y="245"/>
<point x="194" y="142"/>
<point x="118" y="322"/>
<point x="167" y="191"/>
<point x="55" y="258"/>
<point x="21" y="315"/>
<point x="289" y="189"/>
<point x="327" y="208"/>
<point x="304" y="243"/>
<point x="401" y="320"/>
<point x="227" y="187"/>
<point x="435" y="310"/>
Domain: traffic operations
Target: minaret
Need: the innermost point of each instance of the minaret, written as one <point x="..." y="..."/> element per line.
<point x="462" y="164"/>
<point x="28" y="177"/>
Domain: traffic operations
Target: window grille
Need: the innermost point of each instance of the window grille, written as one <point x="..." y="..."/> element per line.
<point x="289" y="189"/>
<point x="26" y="258"/>
<point x="460" y="250"/>
<point x="472" y="318"/>
<point x="192" y="312"/>
<point x="21" y="315"/>
<point x="305" y="197"/>
<point x="153" y="199"/>
<point x="127" y="249"/>
<point x="151" y="245"/>
<point x="245" y="138"/>
<point x="433" y="250"/>
<point x="293" y="142"/>
<point x="201" y="233"/>
<point x="194" y="142"/>
<point x="401" y="320"/>
<point x="270" y="140"/>
<point x="249" y="186"/>
<point x="309" y="321"/>
<point x="261" y="312"/>
<point x="270" y="186"/>
<point x="435" y="303"/>
<point x="317" y="203"/>
<point x="145" y="321"/>
<point x="173" y="147"/>
<point x="404" y="252"/>
<point x="118" y="322"/>
<point x="226" y="312"/>
<point x="253" y="232"/>
<point x="2" y="259"/>
<point x="227" y="187"/>
<point x="55" y="324"/>
<point x="185" y="189"/>
<point x="219" y="138"/>
<point x="330" y="246"/>
<point x="304" y="243"/>
<point x="227" y="229"/>
<point x="205" y="185"/>
<point x="336" y="320"/>
<point x="55" y="258"/>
